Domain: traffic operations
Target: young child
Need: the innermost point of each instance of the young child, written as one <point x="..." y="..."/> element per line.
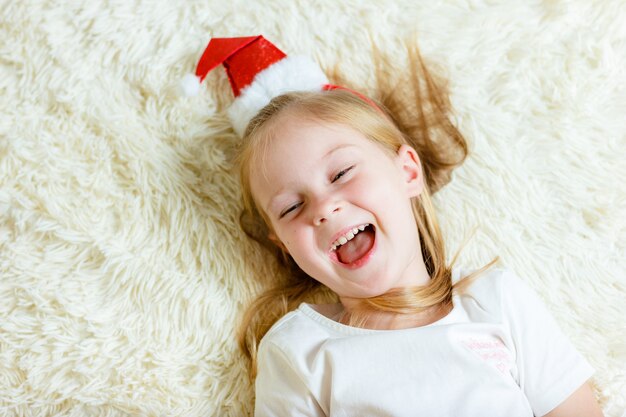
<point x="338" y="187"/>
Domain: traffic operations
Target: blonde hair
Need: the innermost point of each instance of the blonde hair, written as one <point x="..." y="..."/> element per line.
<point x="422" y="123"/>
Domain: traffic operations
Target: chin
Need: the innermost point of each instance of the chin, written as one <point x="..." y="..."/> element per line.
<point x="370" y="292"/>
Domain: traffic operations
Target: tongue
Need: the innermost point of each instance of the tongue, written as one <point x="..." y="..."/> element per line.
<point x="357" y="247"/>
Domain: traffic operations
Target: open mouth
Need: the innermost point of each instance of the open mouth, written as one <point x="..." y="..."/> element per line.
<point x="355" y="252"/>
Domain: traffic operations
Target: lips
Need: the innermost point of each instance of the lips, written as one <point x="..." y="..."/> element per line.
<point x="346" y="230"/>
<point x="362" y="260"/>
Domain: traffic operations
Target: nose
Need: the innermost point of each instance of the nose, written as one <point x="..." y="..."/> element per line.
<point x="324" y="208"/>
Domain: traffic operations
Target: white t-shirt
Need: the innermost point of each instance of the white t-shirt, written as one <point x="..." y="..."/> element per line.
<point x="499" y="352"/>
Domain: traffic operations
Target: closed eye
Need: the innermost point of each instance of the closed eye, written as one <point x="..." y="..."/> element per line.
<point x="339" y="175"/>
<point x="284" y="213"/>
<point x="342" y="173"/>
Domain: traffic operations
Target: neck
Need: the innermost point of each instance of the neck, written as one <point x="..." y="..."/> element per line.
<point x="382" y="320"/>
<point x="415" y="275"/>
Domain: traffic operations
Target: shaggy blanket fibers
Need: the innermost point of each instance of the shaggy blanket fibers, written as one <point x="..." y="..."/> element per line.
<point x="122" y="268"/>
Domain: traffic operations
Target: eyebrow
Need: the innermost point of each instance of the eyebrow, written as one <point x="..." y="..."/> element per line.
<point x="326" y="156"/>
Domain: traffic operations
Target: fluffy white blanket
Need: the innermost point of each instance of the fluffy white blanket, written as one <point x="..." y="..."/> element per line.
<point x="122" y="269"/>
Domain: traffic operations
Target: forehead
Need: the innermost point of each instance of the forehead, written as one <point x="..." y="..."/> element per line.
<point x="296" y="147"/>
<point x="296" y="135"/>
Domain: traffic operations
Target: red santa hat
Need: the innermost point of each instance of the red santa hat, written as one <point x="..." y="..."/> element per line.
<point x="257" y="71"/>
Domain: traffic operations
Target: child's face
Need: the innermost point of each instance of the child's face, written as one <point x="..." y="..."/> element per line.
<point x="308" y="204"/>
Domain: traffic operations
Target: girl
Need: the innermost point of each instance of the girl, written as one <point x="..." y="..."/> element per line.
<point x="338" y="187"/>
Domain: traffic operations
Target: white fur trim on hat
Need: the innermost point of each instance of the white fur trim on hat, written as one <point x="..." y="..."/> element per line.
<point x="292" y="73"/>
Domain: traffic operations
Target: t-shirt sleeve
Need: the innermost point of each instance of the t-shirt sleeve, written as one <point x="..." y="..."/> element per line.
<point x="550" y="368"/>
<point x="280" y="390"/>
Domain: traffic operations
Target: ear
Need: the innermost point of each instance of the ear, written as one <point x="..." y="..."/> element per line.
<point x="278" y="242"/>
<point x="411" y="170"/>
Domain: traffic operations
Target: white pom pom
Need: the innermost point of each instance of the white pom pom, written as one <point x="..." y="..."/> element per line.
<point x="189" y="85"/>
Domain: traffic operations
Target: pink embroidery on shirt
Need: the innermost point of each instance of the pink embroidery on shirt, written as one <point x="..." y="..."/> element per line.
<point x="491" y="350"/>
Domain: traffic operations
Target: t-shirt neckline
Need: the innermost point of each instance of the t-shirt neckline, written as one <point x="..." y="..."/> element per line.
<point x="310" y="312"/>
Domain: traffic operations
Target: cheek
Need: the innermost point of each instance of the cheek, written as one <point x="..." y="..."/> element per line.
<point x="381" y="193"/>
<point x="372" y="188"/>
<point x="292" y="239"/>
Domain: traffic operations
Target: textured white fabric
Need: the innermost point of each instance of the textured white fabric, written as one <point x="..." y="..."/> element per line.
<point x="499" y="352"/>
<point x="123" y="271"/>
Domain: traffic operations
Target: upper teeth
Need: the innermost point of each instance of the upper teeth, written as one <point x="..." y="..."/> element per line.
<point x="348" y="236"/>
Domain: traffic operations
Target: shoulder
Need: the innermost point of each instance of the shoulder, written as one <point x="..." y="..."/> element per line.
<point x="493" y="279"/>
<point x="488" y="284"/>
<point x="284" y="328"/>
<point x="294" y="334"/>
<point x="503" y="294"/>
<point x="487" y="293"/>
